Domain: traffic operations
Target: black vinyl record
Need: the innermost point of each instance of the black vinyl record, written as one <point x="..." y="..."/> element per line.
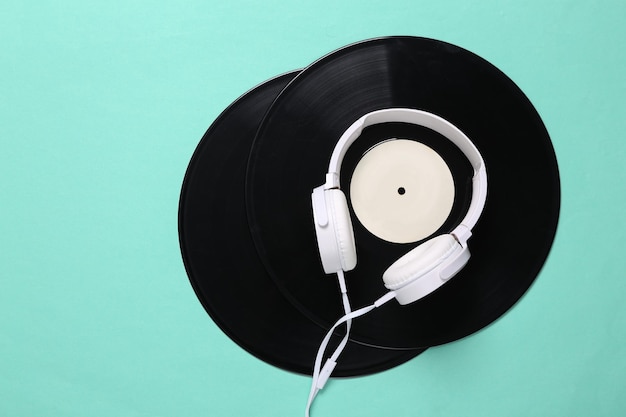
<point x="222" y="263"/>
<point x="290" y="156"/>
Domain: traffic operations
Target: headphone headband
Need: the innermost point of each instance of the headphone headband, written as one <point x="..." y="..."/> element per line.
<point x="422" y="118"/>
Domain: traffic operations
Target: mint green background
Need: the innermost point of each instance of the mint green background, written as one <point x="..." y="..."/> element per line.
<point x="101" y="106"/>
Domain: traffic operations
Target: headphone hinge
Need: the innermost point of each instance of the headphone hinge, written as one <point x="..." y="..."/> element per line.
<point x="332" y="181"/>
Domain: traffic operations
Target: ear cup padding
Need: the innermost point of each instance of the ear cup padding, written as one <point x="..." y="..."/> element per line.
<point x="419" y="261"/>
<point x="339" y="216"/>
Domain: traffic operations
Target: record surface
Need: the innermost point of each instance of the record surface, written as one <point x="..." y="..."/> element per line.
<point x="222" y="263"/>
<point x="290" y="157"/>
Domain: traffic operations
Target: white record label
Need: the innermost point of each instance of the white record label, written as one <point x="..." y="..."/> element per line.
<point x="402" y="191"/>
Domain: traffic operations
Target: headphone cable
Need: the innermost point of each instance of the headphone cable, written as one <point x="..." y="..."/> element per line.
<point x="320" y="376"/>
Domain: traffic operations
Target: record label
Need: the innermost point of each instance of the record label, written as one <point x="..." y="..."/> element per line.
<point x="401" y="191"/>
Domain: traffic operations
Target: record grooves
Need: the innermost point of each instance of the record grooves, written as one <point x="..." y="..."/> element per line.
<point x="290" y="156"/>
<point x="245" y="219"/>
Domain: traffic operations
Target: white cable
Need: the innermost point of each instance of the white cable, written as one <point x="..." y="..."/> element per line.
<point x="329" y="366"/>
<point x="320" y="377"/>
<point x="332" y="361"/>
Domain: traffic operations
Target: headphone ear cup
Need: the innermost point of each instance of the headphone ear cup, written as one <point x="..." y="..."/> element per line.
<point x="335" y="237"/>
<point x="419" y="261"/>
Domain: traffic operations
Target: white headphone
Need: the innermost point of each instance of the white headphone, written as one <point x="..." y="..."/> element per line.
<point x="416" y="274"/>
<point x="432" y="263"/>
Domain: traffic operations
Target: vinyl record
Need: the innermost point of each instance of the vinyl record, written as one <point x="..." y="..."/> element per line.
<point x="222" y="263"/>
<point x="290" y="157"/>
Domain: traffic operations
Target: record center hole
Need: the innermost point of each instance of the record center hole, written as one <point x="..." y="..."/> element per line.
<point x="401" y="191"/>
